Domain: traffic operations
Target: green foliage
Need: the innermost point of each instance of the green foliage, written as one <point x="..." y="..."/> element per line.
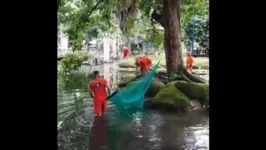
<point x="126" y="13"/>
<point x="201" y="32"/>
<point x="76" y="81"/>
<point x="68" y="64"/>
<point x="93" y="33"/>
<point x="85" y="19"/>
<point x="149" y="30"/>
<point x="156" y="37"/>
<point x="190" y="8"/>
<point x="77" y="37"/>
<point x="204" y="38"/>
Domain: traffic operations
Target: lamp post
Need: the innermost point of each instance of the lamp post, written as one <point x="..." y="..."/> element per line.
<point x="193" y="35"/>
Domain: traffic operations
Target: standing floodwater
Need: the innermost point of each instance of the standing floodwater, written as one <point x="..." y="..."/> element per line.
<point x="78" y="129"/>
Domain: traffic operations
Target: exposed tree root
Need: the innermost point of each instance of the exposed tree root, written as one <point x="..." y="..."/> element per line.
<point x="192" y="77"/>
<point x="185" y="77"/>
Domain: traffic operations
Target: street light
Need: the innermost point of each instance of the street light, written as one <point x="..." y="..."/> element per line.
<point x="193" y="35"/>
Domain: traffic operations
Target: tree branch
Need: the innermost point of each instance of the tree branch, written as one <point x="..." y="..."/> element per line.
<point x="95" y="7"/>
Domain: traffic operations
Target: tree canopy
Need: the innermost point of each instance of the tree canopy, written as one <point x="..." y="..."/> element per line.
<point x="85" y="19"/>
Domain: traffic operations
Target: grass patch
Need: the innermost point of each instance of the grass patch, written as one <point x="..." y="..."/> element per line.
<point x="199" y="61"/>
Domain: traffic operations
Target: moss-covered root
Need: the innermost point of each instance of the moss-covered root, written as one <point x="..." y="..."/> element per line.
<point x="192" y="77"/>
<point x="197" y="91"/>
<point x="169" y="94"/>
<point x="154" y="88"/>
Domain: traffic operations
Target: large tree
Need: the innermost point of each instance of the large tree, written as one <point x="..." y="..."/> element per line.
<point x="168" y="14"/>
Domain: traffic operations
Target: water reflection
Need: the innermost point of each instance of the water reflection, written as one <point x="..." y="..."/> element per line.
<point x="98" y="135"/>
<point x="106" y="72"/>
<point x="148" y="130"/>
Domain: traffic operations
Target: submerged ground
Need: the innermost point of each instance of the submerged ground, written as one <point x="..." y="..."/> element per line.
<point x="147" y="130"/>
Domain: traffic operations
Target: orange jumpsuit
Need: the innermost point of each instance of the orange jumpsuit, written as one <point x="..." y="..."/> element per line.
<point x="100" y="97"/>
<point x="125" y="52"/>
<point x="189" y="62"/>
<point x="149" y="62"/>
<point x="144" y="65"/>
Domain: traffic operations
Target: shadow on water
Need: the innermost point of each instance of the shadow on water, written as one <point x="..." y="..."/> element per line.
<point x="78" y="129"/>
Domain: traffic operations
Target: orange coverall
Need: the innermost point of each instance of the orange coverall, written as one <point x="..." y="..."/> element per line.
<point x="189" y="62"/>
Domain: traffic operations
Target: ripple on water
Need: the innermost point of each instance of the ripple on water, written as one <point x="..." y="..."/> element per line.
<point x="144" y="131"/>
<point x="197" y="137"/>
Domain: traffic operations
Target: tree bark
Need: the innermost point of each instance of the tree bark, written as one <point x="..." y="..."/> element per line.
<point x="172" y="44"/>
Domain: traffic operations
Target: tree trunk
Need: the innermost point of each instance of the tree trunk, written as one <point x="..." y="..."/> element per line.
<point x="172" y="44"/>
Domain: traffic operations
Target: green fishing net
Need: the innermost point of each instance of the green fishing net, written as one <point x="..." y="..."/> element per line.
<point x="130" y="99"/>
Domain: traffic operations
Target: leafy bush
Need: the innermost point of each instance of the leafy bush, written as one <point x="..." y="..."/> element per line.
<point x="71" y="62"/>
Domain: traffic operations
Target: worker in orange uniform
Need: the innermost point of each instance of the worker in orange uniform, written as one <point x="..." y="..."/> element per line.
<point x="189" y="62"/>
<point x="97" y="90"/>
<point x="125" y="51"/>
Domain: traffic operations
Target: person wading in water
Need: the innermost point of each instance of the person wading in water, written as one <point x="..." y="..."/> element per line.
<point x="97" y="90"/>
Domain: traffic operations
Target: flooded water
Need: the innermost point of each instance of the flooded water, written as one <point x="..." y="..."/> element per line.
<point x="78" y="129"/>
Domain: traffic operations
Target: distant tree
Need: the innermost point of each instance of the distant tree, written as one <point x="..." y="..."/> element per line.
<point x="201" y="32"/>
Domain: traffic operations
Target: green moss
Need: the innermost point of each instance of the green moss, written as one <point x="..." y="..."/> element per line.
<point x="154" y="88"/>
<point x="193" y="90"/>
<point x="169" y="94"/>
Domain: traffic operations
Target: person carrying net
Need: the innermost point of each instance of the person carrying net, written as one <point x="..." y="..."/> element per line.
<point x="145" y="64"/>
<point x="130" y="99"/>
